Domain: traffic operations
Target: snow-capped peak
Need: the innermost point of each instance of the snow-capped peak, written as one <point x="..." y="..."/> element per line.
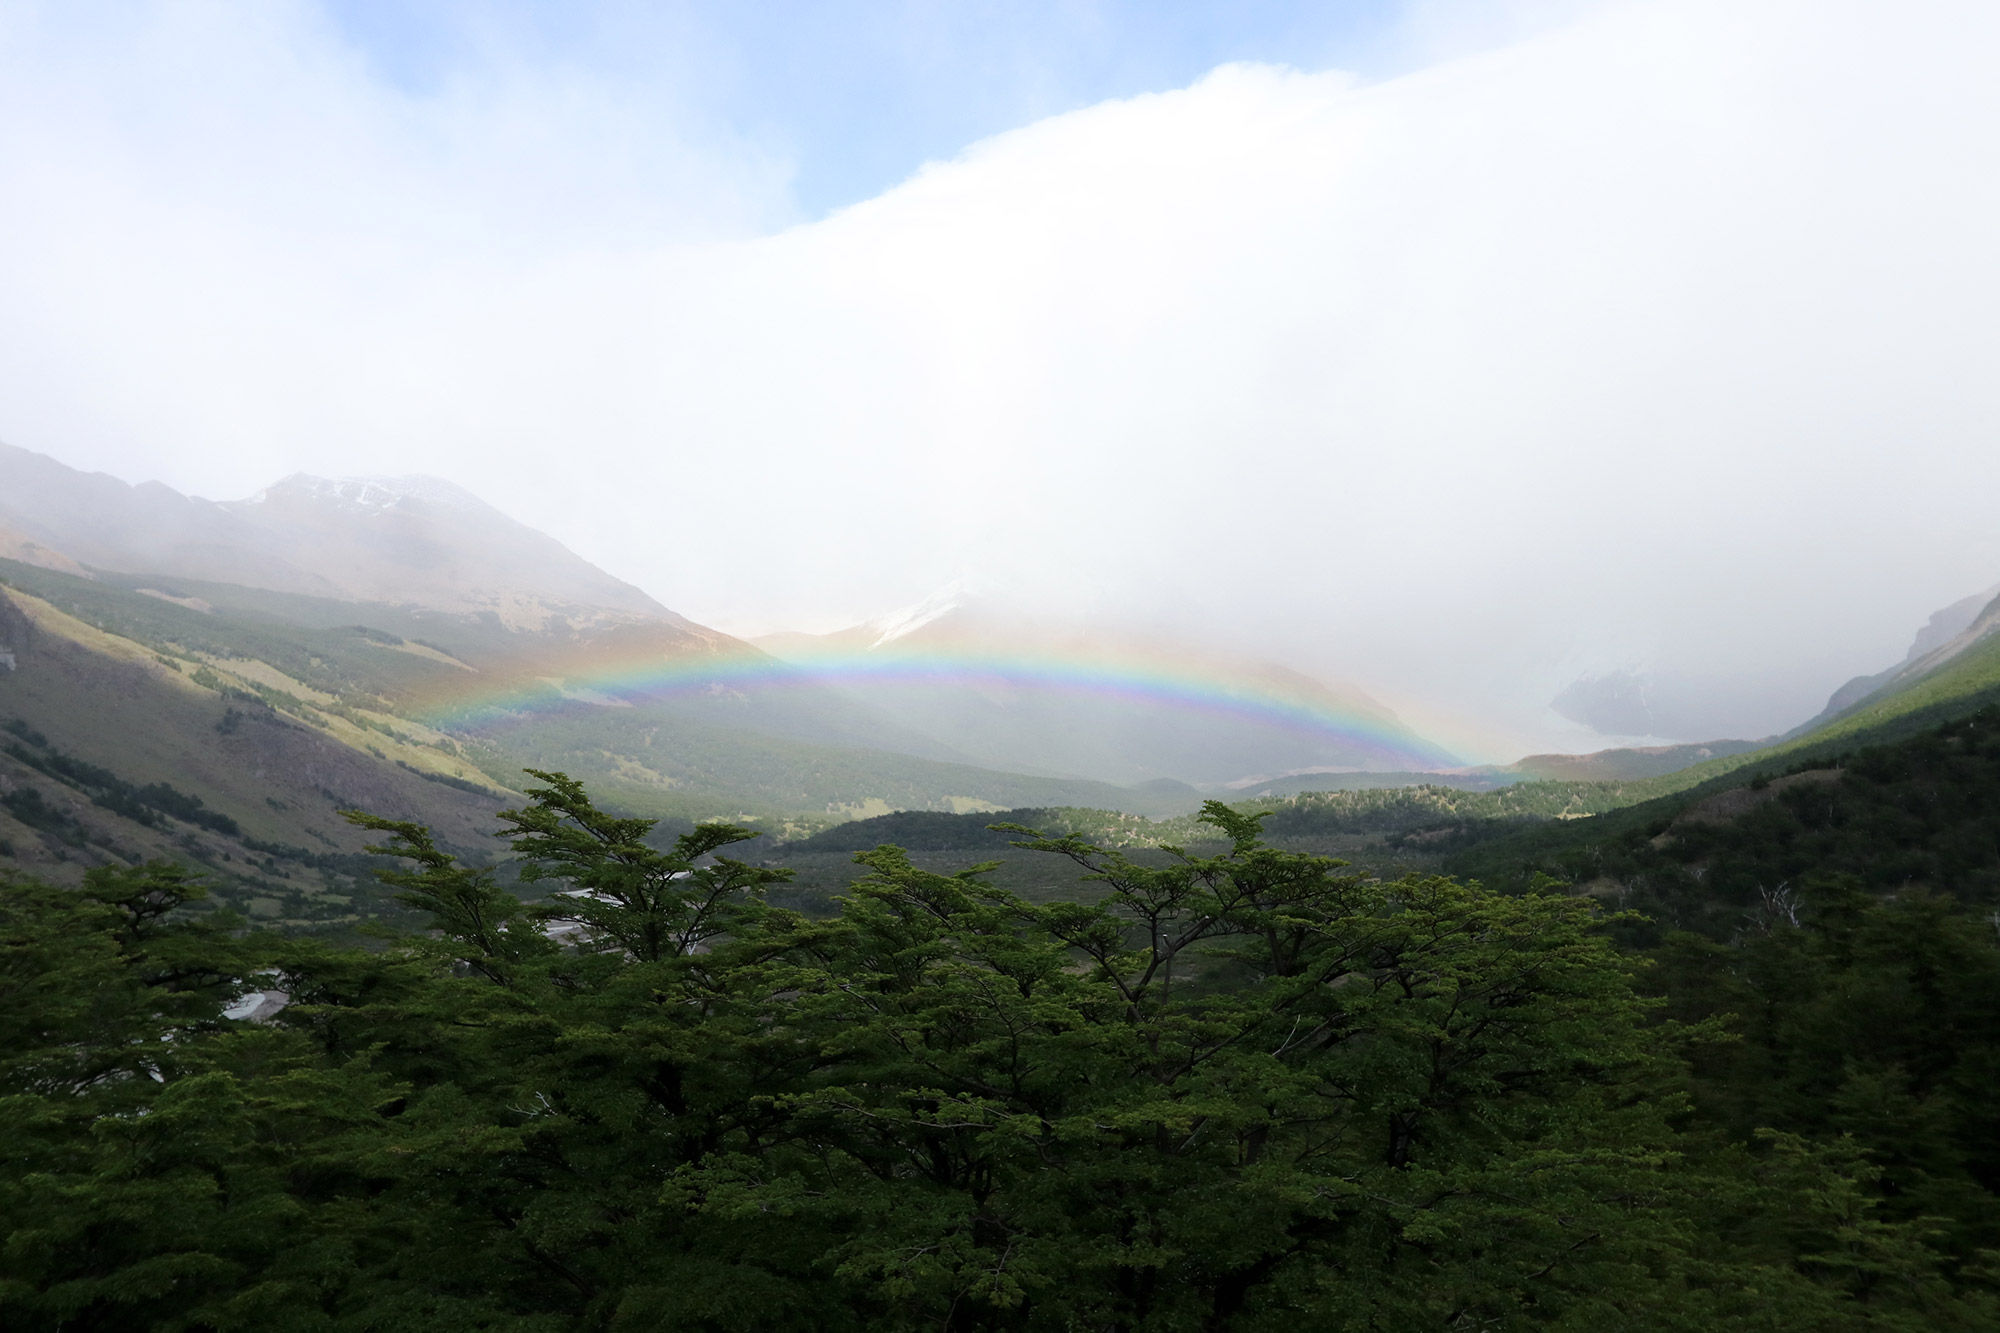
<point x="898" y="623"/>
<point x="373" y="492"/>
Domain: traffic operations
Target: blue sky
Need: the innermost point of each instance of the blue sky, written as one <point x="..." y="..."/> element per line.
<point x="856" y="94"/>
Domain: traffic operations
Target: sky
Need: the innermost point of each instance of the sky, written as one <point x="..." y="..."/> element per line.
<point x="1458" y="351"/>
<point x="854" y="95"/>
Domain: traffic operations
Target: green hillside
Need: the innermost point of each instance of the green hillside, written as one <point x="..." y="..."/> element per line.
<point x="1893" y="728"/>
<point x="1839" y="920"/>
<point x="273" y="710"/>
<point x="112" y="754"/>
<point x="1559" y="786"/>
<point x="214" y="688"/>
<point x="1965" y="682"/>
<point x="1627" y="765"/>
<point x="1962" y="685"/>
<point x="1919" y="811"/>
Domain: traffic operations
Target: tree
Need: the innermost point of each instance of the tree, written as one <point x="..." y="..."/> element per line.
<point x="1243" y="1090"/>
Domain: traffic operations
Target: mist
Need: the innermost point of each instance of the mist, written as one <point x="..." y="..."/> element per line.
<point x="1651" y="346"/>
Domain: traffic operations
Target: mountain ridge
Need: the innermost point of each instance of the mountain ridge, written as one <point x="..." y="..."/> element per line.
<point x="337" y="704"/>
<point x="534" y="638"/>
<point x="423" y="541"/>
<point x="1949" y="631"/>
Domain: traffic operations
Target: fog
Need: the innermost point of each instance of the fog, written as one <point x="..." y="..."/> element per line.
<point x="1654" y="346"/>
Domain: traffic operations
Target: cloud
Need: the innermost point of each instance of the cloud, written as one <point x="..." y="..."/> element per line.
<point x="1658" y="340"/>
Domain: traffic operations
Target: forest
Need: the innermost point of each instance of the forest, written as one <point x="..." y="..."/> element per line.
<point x="1229" y="1086"/>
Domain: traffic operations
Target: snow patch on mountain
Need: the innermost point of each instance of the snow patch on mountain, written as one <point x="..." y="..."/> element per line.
<point x="373" y="493"/>
<point x="909" y="619"/>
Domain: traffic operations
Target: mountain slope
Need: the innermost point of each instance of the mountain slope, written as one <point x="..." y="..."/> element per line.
<point x="1941" y="681"/>
<point x="533" y="640"/>
<point x="1628" y="764"/>
<point x="114" y="753"/>
<point x="1019" y="693"/>
<point x="1901" y="737"/>
<point x="1948" y="632"/>
<point x="1952" y="668"/>
<point x="246" y="697"/>
<point x="1920" y="810"/>
<point x="416" y="540"/>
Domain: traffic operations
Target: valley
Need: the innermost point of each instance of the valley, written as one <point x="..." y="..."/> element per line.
<point x="976" y="668"/>
<point x="268" y="758"/>
<point x="289" y="690"/>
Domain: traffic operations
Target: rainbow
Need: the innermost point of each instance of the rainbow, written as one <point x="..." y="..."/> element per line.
<point x="1184" y="686"/>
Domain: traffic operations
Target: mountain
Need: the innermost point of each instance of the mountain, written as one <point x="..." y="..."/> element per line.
<point x="28" y="551"/>
<point x="558" y="654"/>
<point x="1942" y="637"/>
<point x="399" y="540"/>
<point x="417" y="552"/>
<point x="1018" y="692"/>
<point x="1949" y="681"/>
<point x="484" y="701"/>
<point x="1951" y="671"/>
<point x="215" y="681"/>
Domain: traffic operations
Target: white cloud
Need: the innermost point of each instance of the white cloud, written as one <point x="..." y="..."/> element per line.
<point x="1657" y="340"/>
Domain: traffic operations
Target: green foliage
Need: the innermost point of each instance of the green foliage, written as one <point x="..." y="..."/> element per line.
<point x="446" y="780"/>
<point x="327" y="656"/>
<point x="144" y="1183"/>
<point x="624" y="895"/>
<point x="142" y="804"/>
<point x="1243" y="1089"/>
<point x="1431" y="808"/>
<point x="1841" y="919"/>
<point x="1968" y="681"/>
<point x="1431" y="811"/>
<point x="929" y="830"/>
<point x="21" y="729"/>
<point x="28" y="805"/>
<point x="1866" y="1022"/>
<point x="1921" y="811"/>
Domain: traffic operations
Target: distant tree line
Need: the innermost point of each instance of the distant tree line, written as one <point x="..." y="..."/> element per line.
<point x="141" y="804"/>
